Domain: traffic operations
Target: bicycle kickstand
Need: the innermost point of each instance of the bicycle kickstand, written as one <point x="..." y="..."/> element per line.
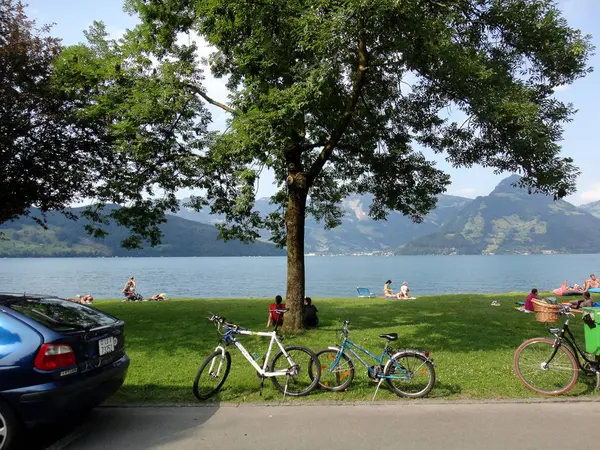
<point x="377" y="390"/>
<point x="262" y="384"/>
<point x="287" y="379"/>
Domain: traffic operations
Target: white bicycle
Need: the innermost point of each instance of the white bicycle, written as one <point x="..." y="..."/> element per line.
<point x="292" y="362"/>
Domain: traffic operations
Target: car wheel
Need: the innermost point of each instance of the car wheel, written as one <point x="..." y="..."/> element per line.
<point x="9" y="427"/>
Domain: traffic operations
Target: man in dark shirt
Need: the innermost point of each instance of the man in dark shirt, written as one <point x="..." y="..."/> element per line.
<point x="310" y="313"/>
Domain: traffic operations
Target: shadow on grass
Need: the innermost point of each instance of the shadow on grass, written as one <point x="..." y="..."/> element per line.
<point x="456" y="323"/>
<point x="472" y="342"/>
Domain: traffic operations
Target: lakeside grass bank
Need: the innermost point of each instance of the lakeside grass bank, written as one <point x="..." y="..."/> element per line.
<point x="471" y="342"/>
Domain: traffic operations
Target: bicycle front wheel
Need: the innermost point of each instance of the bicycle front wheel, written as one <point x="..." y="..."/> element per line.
<point x="409" y="374"/>
<point x="302" y="371"/>
<point x="543" y="373"/>
<point x="335" y="377"/>
<point x="212" y="374"/>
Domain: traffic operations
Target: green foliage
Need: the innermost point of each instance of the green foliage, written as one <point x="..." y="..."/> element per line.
<point x="471" y="343"/>
<point x="40" y="157"/>
<point x="337" y="94"/>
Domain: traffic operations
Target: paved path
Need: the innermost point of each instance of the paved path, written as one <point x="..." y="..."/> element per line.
<point x="406" y="425"/>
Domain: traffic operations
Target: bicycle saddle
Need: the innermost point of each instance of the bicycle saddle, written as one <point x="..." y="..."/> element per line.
<point x="389" y="336"/>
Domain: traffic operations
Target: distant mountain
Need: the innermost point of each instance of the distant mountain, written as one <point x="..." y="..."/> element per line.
<point x="65" y="237"/>
<point x="358" y="233"/>
<point x="509" y="220"/>
<point x="591" y="208"/>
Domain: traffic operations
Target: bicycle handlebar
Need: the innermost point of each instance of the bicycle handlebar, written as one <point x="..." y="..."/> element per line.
<point x="345" y="327"/>
<point x="222" y="321"/>
<point x="566" y="311"/>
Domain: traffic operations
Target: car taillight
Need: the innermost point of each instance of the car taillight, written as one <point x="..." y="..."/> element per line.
<point x="54" y="356"/>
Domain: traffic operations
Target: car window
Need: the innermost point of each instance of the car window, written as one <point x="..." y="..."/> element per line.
<point x="61" y="315"/>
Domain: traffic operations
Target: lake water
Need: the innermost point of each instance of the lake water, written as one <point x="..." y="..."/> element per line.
<point x="336" y="276"/>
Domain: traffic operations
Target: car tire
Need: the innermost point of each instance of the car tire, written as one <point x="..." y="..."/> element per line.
<point x="10" y="427"/>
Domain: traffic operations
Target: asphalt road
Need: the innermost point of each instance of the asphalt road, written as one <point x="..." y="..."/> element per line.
<point x="407" y="425"/>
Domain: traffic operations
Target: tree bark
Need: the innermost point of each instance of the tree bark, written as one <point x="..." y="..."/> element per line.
<point x="294" y="222"/>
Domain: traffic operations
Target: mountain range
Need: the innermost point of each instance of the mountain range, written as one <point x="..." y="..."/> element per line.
<point x="508" y="220"/>
<point x="358" y="233"/>
<point x="64" y="237"/>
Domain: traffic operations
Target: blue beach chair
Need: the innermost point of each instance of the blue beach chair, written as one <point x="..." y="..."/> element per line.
<point x="364" y="293"/>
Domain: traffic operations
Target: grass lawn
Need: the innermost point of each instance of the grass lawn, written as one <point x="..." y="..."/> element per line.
<point x="471" y="342"/>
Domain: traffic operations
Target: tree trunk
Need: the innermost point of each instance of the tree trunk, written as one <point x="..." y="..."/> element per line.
<point x="294" y="221"/>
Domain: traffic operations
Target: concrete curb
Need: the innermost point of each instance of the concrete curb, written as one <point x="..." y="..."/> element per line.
<point x="415" y="403"/>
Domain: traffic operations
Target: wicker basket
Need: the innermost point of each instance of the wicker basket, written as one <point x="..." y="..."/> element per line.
<point x="545" y="312"/>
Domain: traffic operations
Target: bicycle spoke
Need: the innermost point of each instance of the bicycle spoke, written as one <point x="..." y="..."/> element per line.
<point x="544" y="368"/>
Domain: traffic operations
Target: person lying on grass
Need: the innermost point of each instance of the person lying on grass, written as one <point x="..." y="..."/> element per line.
<point x="83" y="299"/>
<point x="275" y="318"/>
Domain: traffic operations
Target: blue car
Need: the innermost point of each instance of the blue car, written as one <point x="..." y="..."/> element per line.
<point x="57" y="358"/>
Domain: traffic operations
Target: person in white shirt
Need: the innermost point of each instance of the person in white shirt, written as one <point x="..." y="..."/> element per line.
<point x="404" y="290"/>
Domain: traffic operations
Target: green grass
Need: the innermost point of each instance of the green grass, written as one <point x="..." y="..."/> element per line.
<point x="471" y="342"/>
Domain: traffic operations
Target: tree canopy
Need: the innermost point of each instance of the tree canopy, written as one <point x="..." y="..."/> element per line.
<point x="334" y="96"/>
<point x="100" y="122"/>
<point x="340" y="96"/>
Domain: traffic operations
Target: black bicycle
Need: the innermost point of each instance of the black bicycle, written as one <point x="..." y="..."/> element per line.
<point x="551" y="366"/>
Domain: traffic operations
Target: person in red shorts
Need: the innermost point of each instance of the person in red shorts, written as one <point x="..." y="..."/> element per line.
<point x="274" y="318"/>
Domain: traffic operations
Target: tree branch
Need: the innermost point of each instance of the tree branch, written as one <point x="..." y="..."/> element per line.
<point x="211" y="101"/>
<point x="340" y="128"/>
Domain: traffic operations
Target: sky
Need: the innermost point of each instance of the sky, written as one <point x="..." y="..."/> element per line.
<point x="71" y="17"/>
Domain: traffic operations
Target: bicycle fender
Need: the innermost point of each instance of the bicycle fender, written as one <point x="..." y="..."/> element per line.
<point x="411" y="352"/>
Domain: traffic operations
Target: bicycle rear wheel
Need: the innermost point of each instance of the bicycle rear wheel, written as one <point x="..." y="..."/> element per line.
<point x="335" y="378"/>
<point x="541" y="373"/>
<point x="215" y="369"/>
<point x="410" y="374"/>
<point x="304" y="371"/>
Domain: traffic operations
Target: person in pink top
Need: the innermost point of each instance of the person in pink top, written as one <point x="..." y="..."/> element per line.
<point x="529" y="299"/>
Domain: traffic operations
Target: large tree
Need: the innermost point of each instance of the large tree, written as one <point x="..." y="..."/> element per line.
<point x="339" y="96"/>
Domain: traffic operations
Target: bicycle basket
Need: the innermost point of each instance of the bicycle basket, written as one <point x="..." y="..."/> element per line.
<point x="545" y="312"/>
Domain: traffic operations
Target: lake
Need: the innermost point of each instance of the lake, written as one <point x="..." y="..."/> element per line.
<point x="335" y="276"/>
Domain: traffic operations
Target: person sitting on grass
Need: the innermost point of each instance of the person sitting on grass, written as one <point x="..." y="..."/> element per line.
<point x="387" y="290"/>
<point x="593" y="282"/>
<point x="159" y="297"/>
<point x="310" y="313"/>
<point x="404" y="291"/>
<point x="274" y="317"/>
<point x="585" y="302"/>
<point x="529" y="300"/>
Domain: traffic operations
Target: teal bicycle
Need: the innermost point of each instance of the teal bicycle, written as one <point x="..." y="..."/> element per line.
<point x="408" y="373"/>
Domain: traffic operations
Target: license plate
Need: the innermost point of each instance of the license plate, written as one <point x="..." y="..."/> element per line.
<point x="107" y="345"/>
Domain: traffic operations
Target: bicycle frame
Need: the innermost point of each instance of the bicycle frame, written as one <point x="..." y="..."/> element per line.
<point x="565" y="334"/>
<point x="348" y="345"/>
<point x="229" y="338"/>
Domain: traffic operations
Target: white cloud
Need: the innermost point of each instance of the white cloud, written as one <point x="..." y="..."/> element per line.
<point x="561" y="88"/>
<point x="592" y="194"/>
